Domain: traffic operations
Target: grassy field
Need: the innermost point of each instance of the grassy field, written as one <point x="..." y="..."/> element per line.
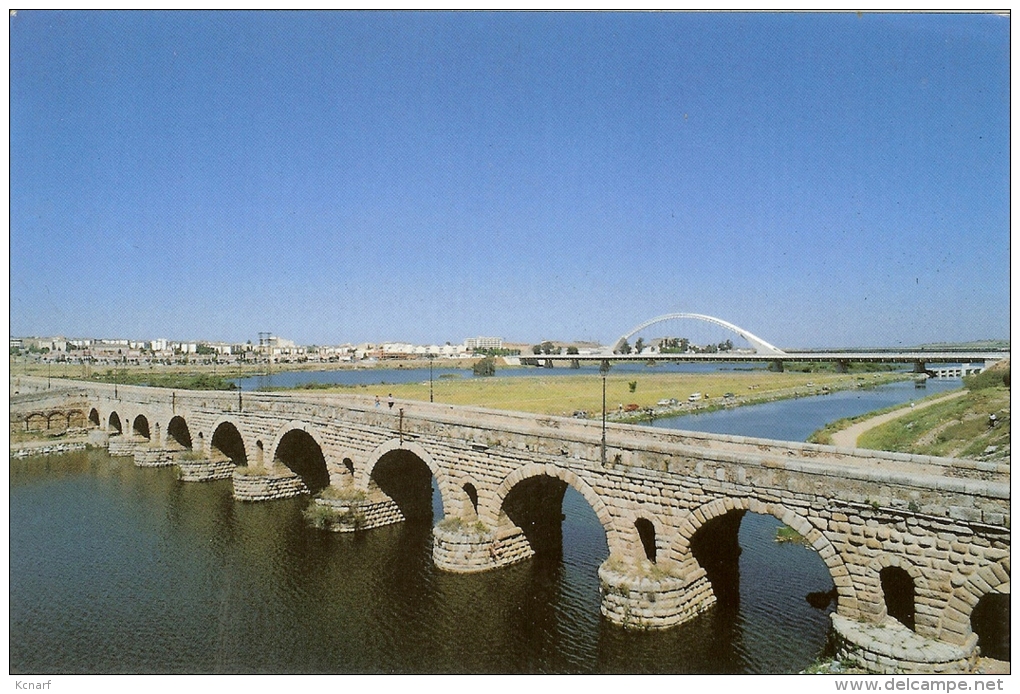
<point x="545" y="393"/>
<point x="564" y="394"/>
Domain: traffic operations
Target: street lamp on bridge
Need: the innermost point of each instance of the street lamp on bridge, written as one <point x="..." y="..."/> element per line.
<point x="431" y="357"/>
<point x="604" y="371"/>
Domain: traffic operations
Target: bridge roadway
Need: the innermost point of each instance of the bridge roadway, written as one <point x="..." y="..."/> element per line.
<point x="919" y="359"/>
<point x="912" y="543"/>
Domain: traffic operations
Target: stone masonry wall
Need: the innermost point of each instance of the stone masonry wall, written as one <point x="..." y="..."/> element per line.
<point x="944" y="521"/>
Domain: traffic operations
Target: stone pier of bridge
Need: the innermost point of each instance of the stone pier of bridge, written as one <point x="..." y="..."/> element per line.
<point x="918" y="540"/>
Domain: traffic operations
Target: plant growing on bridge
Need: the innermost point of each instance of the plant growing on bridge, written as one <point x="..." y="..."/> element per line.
<point x="456" y="524"/>
<point x="343" y="494"/>
<point x="251" y="471"/>
<point x="191" y="455"/>
<point x="326" y="517"/>
<point x="787" y="534"/>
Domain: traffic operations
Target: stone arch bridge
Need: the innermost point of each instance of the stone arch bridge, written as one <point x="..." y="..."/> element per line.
<point x="915" y="545"/>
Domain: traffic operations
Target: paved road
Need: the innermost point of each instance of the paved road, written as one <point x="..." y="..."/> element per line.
<point x="847" y="438"/>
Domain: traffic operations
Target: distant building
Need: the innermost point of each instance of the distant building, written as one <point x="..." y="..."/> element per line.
<point x="473" y="343"/>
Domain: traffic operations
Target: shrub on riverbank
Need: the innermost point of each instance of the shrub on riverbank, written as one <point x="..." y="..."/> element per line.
<point x="995" y="377"/>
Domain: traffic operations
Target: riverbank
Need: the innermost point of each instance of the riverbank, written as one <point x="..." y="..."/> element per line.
<point x="847" y="438"/>
<point x="972" y="423"/>
<point x="709" y="405"/>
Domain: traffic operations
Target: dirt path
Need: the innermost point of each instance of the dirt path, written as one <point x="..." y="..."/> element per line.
<point x="847" y="438"/>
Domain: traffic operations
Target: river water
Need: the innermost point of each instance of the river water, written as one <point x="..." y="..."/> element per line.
<point x="117" y="569"/>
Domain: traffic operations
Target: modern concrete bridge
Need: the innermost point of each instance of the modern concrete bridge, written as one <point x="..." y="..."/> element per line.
<point x="762" y="351"/>
<point x="916" y="546"/>
<point x="975" y="361"/>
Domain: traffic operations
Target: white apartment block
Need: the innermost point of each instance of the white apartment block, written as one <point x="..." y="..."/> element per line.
<point x="483" y="343"/>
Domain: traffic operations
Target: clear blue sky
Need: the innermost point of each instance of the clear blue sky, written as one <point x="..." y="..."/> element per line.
<point x="820" y="180"/>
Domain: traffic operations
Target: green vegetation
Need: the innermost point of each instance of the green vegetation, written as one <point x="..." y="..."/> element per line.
<point x="565" y="394"/>
<point x="485" y="367"/>
<point x="191" y="455"/>
<point x="182" y="380"/>
<point x="456" y="524"/>
<point x="824" y="435"/>
<point x="251" y="471"/>
<point x="962" y="427"/>
<point x="319" y="516"/>
<point x="345" y="494"/>
<point x="785" y="533"/>
<point x="831" y="367"/>
<point x="326" y="517"/>
<point x="641" y="568"/>
<point x="958" y="428"/>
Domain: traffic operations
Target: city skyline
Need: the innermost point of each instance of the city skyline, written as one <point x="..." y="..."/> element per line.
<point x="823" y="180"/>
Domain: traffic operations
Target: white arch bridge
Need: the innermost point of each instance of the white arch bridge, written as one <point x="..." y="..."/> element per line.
<point x="760" y="345"/>
<point x="972" y="361"/>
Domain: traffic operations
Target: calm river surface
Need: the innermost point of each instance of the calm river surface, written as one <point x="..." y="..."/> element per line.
<point x="118" y="569"/>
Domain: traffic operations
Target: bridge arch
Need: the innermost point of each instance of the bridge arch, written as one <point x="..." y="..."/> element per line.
<point x="470" y="490"/>
<point x="649" y="536"/>
<point x="114" y="423"/>
<point x="395" y="459"/>
<point x="955" y="625"/>
<point x="177" y="432"/>
<point x="298" y="448"/>
<point x="847" y="604"/>
<point x="885" y="567"/>
<point x="140" y="426"/>
<point x="495" y="513"/>
<point x="76" y="419"/>
<point x="760" y="345"/>
<point x="226" y="441"/>
<point x="94" y="417"/>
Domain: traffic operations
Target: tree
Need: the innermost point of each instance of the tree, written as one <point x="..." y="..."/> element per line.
<point x="485" y="367"/>
<point x="625" y="348"/>
<point x="639" y="346"/>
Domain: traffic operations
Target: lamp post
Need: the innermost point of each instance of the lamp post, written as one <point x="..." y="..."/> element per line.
<point x="604" y="371"/>
<point x="431" y="357"/>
